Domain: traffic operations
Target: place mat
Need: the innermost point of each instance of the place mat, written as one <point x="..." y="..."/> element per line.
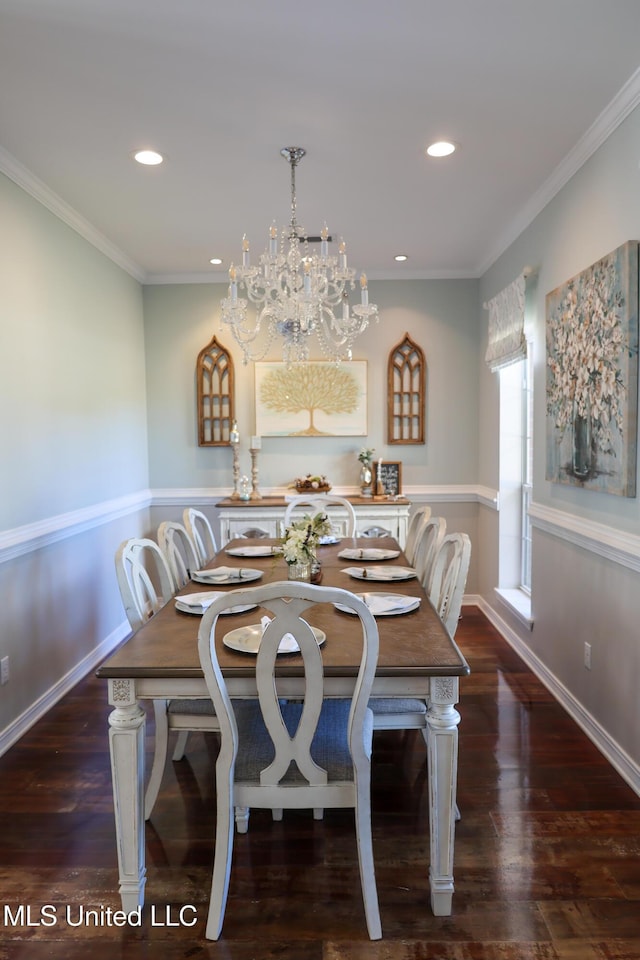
<point x="197" y="603"/>
<point x="226" y="575"/>
<point x="381" y="573"/>
<point x="247" y="639"/>
<point x="251" y="551"/>
<point x="368" y="553"/>
<point x="385" y="604"/>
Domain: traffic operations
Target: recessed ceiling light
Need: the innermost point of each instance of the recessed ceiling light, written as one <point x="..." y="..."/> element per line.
<point x="401" y="257"/>
<point x="148" y="157"/>
<point x="215" y="261"/>
<point x="441" y="148"/>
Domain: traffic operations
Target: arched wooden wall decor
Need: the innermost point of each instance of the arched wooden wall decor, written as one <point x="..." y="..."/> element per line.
<point x="406" y="377"/>
<point x="215" y="379"/>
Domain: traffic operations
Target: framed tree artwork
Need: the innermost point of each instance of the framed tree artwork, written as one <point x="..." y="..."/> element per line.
<point x="313" y="399"/>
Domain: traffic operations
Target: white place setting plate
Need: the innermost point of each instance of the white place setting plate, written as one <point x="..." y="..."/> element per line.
<point x="247" y="639"/>
<point x="329" y="539"/>
<point x="368" y="553"/>
<point x="381" y="573"/>
<point x="226" y="575"/>
<point x="385" y="604"/>
<point x="251" y="551"/>
<point x="197" y="603"/>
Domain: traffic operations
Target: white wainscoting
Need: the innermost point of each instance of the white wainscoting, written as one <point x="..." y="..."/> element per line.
<point x="628" y="769"/>
<point x="37" y="710"/>
<point x="613" y="543"/>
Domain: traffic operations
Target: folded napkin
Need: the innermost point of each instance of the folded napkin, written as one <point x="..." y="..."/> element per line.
<point x="368" y="553"/>
<point x="199" y="601"/>
<point x="288" y="644"/>
<point x="220" y="574"/>
<point x="251" y="551"/>
<point x="385" y="573"/>
<point x="379" y="603"/>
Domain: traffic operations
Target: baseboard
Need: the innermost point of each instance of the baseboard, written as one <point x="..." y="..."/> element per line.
<point x="37" y="710"/>
<point x="619" y="760"/>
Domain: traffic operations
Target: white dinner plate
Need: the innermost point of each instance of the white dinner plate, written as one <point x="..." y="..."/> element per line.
<point x="385" y="604"/>
<point x="381" y="573"/>
<point x="222" y="575"/>
<point x="368" y="553"/>
<point x="197" y="603"/>
<point x="251" y="551"/>
<point x="328" y="539"/>
<point x="247" y="639"/>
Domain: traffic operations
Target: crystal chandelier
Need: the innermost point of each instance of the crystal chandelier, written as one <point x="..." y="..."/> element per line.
<point x="296" y="294"/>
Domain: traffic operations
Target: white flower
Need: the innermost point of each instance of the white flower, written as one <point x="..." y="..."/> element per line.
<point x="586" y="346"/>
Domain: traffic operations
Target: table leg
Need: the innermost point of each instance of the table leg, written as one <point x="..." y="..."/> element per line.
<point x="126" y="743"/>
<point x="442" y="761"/>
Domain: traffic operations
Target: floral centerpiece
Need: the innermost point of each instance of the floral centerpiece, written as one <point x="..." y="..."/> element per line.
<point x="312" y="483"/>
<point x="300" y="543"/>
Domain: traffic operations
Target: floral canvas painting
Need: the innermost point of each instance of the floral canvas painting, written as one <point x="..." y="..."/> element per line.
<point x="592" y="376"/>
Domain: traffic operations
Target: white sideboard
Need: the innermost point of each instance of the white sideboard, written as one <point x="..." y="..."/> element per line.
<point x="244" y="518"/>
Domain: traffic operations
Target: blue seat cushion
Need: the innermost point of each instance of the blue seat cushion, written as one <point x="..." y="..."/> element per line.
<point x="329" y="747"/>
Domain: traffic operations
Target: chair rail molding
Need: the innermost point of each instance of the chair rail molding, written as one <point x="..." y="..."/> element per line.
<point x="601" y="539"/>
<point x="34" y="536"/>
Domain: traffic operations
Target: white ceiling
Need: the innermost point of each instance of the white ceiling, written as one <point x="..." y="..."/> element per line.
<point x="527" y="88"/>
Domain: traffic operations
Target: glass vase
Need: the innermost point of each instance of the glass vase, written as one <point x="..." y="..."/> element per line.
<point x="366" y="479"/>
<point x="582" y="463"/>
<point x="300" y="571"/>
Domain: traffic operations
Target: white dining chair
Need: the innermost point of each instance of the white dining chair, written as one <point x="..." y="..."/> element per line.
<point x="448" y="580"/>
<point x="280" y="755"/>
<point x="430" y="536"/>
<point x="179" y="550"/>
<point x="418" y="519"/>
<point x="201" y="533"/>
<point x="323" y="502"/>
<point x="146" y="584"/>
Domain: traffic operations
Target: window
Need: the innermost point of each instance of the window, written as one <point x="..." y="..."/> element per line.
<point x="516" y="466"/>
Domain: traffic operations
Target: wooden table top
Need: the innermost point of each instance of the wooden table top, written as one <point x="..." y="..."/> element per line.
<point x="411" y="644"/>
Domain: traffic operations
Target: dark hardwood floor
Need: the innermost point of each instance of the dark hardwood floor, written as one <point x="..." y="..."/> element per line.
<point x="547" y="859"/>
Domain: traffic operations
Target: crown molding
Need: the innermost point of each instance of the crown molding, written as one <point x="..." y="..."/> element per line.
<point x="28" y="182"/>
<point x="625" y="101"/>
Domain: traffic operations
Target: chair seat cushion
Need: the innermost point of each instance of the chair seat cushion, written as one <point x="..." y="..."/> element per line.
<point x="329" y="747"/>
<point x="202" y="707"/>
<point x="380" y="705"/>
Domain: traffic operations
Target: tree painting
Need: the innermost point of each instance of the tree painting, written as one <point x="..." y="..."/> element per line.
<point x="309" y="389"/>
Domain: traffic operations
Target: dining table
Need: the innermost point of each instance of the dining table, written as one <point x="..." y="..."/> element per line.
<point x="417" y="659"/>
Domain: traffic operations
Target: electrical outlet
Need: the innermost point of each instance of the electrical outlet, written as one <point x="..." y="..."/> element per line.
<point x="587" y="656"/>
<point x="4" y="671"/>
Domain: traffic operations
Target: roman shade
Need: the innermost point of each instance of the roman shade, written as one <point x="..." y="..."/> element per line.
<point x="507" y="341"/>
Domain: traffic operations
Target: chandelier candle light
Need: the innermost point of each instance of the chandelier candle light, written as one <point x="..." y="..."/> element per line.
<point x="296" y="294"/>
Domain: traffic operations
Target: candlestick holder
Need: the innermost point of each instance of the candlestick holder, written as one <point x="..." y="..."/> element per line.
<point x="255" y="493"/>
<point x="234" y="439"/>
<point x="236" y="473"/>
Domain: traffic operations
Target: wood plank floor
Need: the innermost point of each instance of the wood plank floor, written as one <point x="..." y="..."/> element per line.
<point x="547" y="851"/>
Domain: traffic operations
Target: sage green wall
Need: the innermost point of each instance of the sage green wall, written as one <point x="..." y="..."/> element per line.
<point x="439" y="315"/>
<point x="577" y="595"/>
<point x="73" y="428"/>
